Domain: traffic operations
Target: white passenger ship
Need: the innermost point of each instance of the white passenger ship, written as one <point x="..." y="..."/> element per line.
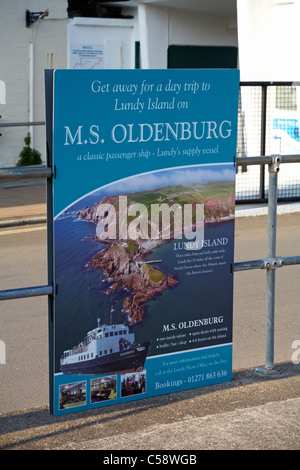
<point x="106" y="349"/>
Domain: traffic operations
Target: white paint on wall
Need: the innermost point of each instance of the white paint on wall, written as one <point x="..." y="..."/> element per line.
<point x="16" y="60"/>
<point x="113" y="36"/>
<point x="268" y="35"/>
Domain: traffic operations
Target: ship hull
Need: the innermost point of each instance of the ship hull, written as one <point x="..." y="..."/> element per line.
<point x="131" y="360"/>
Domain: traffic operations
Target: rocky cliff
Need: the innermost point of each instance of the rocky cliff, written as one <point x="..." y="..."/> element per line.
<point x="124" y="265"/>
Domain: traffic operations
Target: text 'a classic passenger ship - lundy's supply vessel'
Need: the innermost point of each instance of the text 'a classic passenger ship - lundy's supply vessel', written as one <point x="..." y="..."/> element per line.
<point x="106" y="349"/>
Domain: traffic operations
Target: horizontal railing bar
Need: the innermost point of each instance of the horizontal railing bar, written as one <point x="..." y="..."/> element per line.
<point x="291" y="260"/>
<point x="260" y="263"/>
<point x="262" y="83"/>
<point x="21" y="172"/>
<point x="265" y="160"/>
<point x="247" y="265"/>
<point x="48" y="290"/>
<point x="290" y="158"/>
<point x="25" y="292"/>
<point x="21" y="124"/>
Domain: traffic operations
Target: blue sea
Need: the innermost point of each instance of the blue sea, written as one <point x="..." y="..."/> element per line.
<point x="171" y="317"/>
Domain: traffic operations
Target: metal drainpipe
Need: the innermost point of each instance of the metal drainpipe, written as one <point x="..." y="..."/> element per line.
<point x="144" y="36"/>
<point x="31" y="80"/>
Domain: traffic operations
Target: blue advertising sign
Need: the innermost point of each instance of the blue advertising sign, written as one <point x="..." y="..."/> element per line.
<point x="143" y="201"/>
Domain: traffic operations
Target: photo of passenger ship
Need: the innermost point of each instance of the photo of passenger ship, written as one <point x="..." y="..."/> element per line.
<point x="106" y="349"/>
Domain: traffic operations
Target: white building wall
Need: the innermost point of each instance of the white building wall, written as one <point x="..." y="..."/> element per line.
<point x="193" y="29"/>
<point x="155" y="27"/>
<point x="154" y="36"/>
<point x="269" y="37"/>
<point x="48" y="36"/>
<point x="115" y="37"/>
<point x="161" y="27"/>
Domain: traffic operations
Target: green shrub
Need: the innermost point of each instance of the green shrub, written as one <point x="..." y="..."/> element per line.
<point x="29" y="156"/>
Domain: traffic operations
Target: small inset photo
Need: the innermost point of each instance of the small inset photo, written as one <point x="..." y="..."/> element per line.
<point x="72" y="394"/>
<point x="103" y="388"/>
<point x="133" y="383"/>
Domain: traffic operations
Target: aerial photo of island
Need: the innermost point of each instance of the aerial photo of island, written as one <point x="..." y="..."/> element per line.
<point x="132" y="274"/>
<point x="124" y="261"/>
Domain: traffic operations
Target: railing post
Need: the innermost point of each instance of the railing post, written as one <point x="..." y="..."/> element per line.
<point x="271" y="254"/>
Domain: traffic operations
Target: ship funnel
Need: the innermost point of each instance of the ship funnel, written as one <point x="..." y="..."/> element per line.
<point x="98" y="320"/>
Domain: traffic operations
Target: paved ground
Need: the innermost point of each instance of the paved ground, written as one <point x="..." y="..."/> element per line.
<point x="22" y="202"/>
<point x="250" y="412"/>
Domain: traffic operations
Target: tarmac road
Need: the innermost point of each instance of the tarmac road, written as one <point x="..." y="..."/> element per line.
<point x="249" y="412"/>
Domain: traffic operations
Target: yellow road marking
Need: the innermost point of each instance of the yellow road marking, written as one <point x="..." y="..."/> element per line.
<point x="22" y="230"/>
